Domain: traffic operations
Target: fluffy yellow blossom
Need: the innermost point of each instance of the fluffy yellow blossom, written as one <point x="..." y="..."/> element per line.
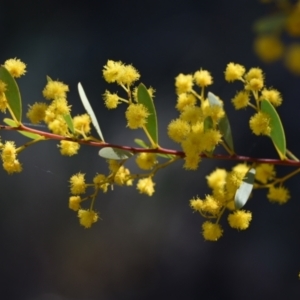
<point x="128" y="76"/>
<point x="136" y="115"/>
<point x="146" y="186"/>
<point x="183" y="83"/>
<point x="15" y="67"/>
<point x="113" y="165"/>
<point x="146" y="161"/>
<point x="196" y="204"/>
<point x="9" y="152"/>
<point x="87" y="217"/>
<point x="292" y="58"/>
<point x="78" y="185"/>
<point x="211" y="231"/>
<point x="100" y="181"/>
<point x="240" y="219"/>
<point x="210" y="205"/>
<point x="178" y="130"/>
<point x="12" y="166"/>
<point x="74" y="202"/>
<point x="68" y="148"/>
<point x="216" y="112"/>
<point x="254" y="79"/>
<point x="184" y="100"/>
<point x="272" y="96"/>
<point x="269" y="48"/>
<point x="82" y="123"/>
<point x="203" y="78"/>
<point x="234" y="72"/>
<point x="265" y="172"/>
<point x="112" y="70"/>
<point x="55" y="89"/>
<point x="241" y="99"/>
<point x="111" y="100"/>
<point x="59" y="126"/>
<point x="242" y="169"/>
<point x="217" y="179"/>
<point x="191" y="161"/>
<point x="192" y="114"/>
<point x="279" y="194"/>
<point x="260" y="124"/>
<point x="37" y="112"/>
<point x="122" y="176"/>
<point x="210" y="139"/>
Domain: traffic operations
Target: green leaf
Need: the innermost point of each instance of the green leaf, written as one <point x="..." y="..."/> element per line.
<point x="141" y="143"/>
<point x="69" y="122"/>
<point x="277" y="132"/>
<point x="224" y="125"/>
<point x="12" y="93"/>
<point x="208" y="123"/>
<point x="89" y="110"/>
<point x="151" y="125"/>
<point x="270" y="24"/>
<point x="244" y="191"/>
<point x="30" y="135"/>
<point x="115" y="153"/>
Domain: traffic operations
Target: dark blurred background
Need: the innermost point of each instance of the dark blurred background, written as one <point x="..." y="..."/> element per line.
<point x="144" y="247"/>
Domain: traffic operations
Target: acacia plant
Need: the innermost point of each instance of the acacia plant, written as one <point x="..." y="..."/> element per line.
<point x="202" y="126"/>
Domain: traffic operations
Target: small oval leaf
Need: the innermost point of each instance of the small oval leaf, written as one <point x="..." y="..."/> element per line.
<point x="151" y="125"/>
<point x="30" y="135"/>
<point x="12" y="93"/>
<point x="89" y="110"/>
<point x="277" y="132"/>
<point x="244" y="191"/>
<point x="115" y="153"/>
<point x="69" y="122"/>
<point x="224" y="125"/>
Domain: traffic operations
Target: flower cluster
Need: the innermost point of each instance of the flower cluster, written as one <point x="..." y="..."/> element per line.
<point x="224" y="185"/>
<point x="253" y="80"/>
<point x="196" y="128"/>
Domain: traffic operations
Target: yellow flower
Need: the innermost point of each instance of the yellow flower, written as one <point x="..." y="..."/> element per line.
<point x="146" y="161"/>
<point x="100" y="181"/>
<point x="183" y="83"/>
<point x="68" y="148"/>
<point x="293" y="22"/>
<point x="196" y="204"/>
<point x="191" y="161"/>
<point x="87" y="217"/>
<point x="260" y="124"/>
<point x="203" y="78"/>
<point x="74" y="202"/>
<point x="234" y="72"/>
<point x="37" y="112"/>
<point x="111" y="100"/>
<point x="15" y="67"/>
<point x="128" y="76"/>
<point x="272" y="96"/>
<point x="192" y="114"/>
<point x="292" y="58"/>
<point x="12" y="166"/>
<point x="178" y="130"/>
<point x="254" y="79"/>
<point x="184" y="100"/>
<point x="279" y="194"/>
<point x="241" y="99"/>
<point x="217" y="178"/>
<point x="146" y="186"/>
<point x="240" y="219"/>
<point x="122" y="176"/>
<point x="264" y="173"/>
<point x="9" y="152"/>
<point x="55" y="89"/>
<point x="211" y="231"/>
<point x="268" y="48"/>
<point x="3" y="102"/>
<point x="136" y="115"/>
<point x="82" y="123"/>
<point x="78" y="185"/>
